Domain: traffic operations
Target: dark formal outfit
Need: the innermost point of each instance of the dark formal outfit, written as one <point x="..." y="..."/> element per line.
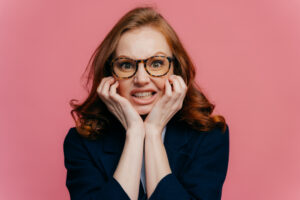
<point x="198" y="161"/>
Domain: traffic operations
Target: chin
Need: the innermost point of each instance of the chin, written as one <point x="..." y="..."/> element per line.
<point x="144" y="110"/>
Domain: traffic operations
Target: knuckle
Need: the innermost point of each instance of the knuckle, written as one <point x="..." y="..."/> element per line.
<point x="180" y="106"/>
<point x="110" y="93"/>
<point x="99" y="92"/>
<point x="104" y="79"/>
<point x="106" y="96"/>
<point x="177" y="93"/>
<point x="168" y="95"/>
<point x="174" y="109"/>
<point x="99" y="89"/>
<point x="113" y="97"/>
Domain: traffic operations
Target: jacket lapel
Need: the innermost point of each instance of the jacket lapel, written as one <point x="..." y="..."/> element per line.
<point x="112" y="146"/>
<point x="176" y="142"/>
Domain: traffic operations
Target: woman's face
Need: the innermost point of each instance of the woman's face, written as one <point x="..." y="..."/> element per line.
<point x="137" y="44"/>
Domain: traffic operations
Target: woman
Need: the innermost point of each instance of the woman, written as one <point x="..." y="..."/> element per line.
<point x="146" y="130"/>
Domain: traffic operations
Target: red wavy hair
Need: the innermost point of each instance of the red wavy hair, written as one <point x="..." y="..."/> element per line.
<point x="92" y="117"/>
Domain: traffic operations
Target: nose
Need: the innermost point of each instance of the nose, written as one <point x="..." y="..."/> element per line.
<point x="141" y="77"/>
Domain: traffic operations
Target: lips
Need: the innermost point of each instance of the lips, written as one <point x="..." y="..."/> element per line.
<point x="143" y="94"/>
<point x="143" y="101"/>
<point x="140" y="91"/>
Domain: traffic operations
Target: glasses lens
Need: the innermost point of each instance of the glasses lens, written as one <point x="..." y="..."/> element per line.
<point x="124" y="67"/>
<point x="158" y="65"/>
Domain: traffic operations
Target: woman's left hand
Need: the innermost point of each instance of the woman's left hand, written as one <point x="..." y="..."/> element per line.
<point x="167" y="106"/>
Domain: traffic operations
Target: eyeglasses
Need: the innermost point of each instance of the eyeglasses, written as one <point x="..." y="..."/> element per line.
<point x="156" y="66"/>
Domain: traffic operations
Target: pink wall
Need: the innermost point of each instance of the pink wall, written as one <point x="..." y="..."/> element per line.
<point x="247" y="54"/>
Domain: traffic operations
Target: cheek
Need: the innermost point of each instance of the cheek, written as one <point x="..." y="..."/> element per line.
<point x="123" y="88"/>
<point x="160" y="83"/>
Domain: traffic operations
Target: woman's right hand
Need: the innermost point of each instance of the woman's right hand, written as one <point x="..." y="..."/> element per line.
<point x="119" y="106"/>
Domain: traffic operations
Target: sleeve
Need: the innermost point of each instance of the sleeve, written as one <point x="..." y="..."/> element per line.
<point x="84" y="179"/>
<point x="203" y="177"/>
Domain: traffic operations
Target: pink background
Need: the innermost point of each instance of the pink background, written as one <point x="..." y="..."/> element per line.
<point x="247" y="58"/>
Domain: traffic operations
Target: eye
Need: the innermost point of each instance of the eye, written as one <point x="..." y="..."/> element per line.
<point x="157" y="64"/>
<point x="125" y="66"/>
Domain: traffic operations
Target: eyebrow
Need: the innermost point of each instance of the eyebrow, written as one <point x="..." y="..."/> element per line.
<point x="159" y="52"/>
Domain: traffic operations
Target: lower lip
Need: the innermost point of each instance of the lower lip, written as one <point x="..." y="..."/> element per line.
<point x="144" y="101"/>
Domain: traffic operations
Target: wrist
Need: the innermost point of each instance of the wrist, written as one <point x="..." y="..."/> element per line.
<point x="153" y="136"/>
<point x="152" y="131"/>
<point x="135" y="133"/>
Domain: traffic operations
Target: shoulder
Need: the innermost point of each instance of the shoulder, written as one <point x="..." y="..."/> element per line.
<point x="216" y="134"/>
<point x="75" y="145"/>
<point x="207" y="141"/>
<point x="215" y="144"/>
<point x="72" y="135"/>
<point x="73" y="138"/>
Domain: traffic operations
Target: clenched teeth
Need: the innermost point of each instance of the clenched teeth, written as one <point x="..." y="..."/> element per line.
<point x="142" y="94"/>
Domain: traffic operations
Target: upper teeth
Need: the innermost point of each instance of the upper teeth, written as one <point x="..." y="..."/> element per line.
<point x="142" y="94"/>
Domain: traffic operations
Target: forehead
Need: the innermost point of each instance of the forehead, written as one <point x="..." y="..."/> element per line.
<point x="142" y="43"/>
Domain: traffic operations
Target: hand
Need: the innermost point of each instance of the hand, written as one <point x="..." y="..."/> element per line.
<point x="119" y="105"/>
<point x="166" y="107"/>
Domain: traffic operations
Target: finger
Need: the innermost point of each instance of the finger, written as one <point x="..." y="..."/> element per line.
<point x="183" y="84"/>
<point x="99" y="89"/>
<point x="115" y="96"/>
<point x="100" y="86"/>
<point x="114" y="106"/>
<point x="113" y="92"/>
<point x="168" y="88"/>
<point x="106" y="87"/>
<point x="113" y="87"/>
<point x="179" y="92"/>
<point x="183" y="87"/>
<point x="176" y="84"/>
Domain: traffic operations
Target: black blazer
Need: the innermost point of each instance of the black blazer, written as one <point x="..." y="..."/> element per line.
<point x="198" y="162"/>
